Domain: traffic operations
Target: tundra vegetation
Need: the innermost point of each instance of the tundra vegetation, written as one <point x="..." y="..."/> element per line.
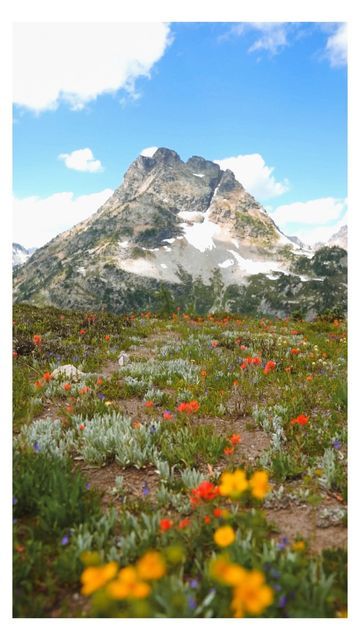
<point x="205" y="477"/>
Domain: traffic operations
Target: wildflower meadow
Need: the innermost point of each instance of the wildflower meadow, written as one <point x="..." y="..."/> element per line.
<point x="178" y="466"/>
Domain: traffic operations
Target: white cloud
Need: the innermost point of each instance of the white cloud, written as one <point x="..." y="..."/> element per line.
<point x="81" y="160"/>
<point x="148" y="152"/>
<point x="316" y="234"/>
<point x="318" y="211"/>
<point x="336" y="47"/>
<point x="37" y="220"/>
<point x="254" y="175"/>
<point x="312" y="221"/>
<point x="273" y="37"/>
<point x="77" y="62"/>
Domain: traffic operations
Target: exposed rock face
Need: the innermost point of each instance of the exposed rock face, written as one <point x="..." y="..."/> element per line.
<point x="167" y="217"/>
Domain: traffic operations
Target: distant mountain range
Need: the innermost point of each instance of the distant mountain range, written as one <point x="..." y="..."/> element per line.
<point x="169" y="227"/>
<point x="20" y="254"/>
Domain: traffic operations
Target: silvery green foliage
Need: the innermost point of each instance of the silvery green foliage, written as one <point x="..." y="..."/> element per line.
<point x="272" y="419"/>
<point x="134" y="384"/>
<point x="327" y="463"/>
<point x="156" y="395"/>
<point x="221" y="409"/>
<point x="162" y="371"/>
<point x="165" y="497"/>
<point x="104" y="438"/>
<point x="49" y="437"/>
<point x="166" y="473"/>
<point x="55" y="388"/>
<point x="118" y="488"/>
<point x="112" y="436"/>
<point x="331" y="516"/>
<point x="191" y="478"/>
<point x="95" y="533"/>
<point x="184" y="396"/>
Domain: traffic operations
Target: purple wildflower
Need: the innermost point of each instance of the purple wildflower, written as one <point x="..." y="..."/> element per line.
<point x="191" y="602"/>
<point x="36" y="447"/>
<point x="336" y="443"/>
<point x="101" y="396"/>
<point x="283" y="542"/>
<point x="88" y="485"/>
<point x="145" y="489"/>
<point x="65" y="540"/>
<point x="282" y="601"/>
<point x="194" y="583"/>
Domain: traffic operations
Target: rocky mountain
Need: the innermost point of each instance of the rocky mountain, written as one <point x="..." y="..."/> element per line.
<point x="171" y="228"/>
<point x="20" y="254"/>
<point x="339" y="239"/>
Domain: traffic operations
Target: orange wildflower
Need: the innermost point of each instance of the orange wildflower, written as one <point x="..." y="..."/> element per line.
<point x="148" y="403"/>
<point x="228" y="451"/>
<point x="184" y="523"/>
<point x="37" y="340"/>
<point x="67" y="386"/>
<point x="235" y="438"/>
<point x="47" y="376"/>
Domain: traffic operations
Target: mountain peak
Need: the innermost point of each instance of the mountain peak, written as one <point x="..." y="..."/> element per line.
<point x="168" y="215"/>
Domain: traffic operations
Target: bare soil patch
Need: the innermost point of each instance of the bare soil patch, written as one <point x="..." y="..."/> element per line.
<point x="300" y="520"/>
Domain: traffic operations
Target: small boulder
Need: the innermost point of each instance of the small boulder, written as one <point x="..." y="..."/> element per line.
<point x="68" y="372"/>
<point x="123" y="359"/>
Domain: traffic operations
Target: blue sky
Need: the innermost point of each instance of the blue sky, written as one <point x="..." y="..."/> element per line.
<point x="269" y="100"/>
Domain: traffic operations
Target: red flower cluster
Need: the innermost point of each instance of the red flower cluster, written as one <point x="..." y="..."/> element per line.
<point x="37" y="340"/>
<point x="205" y="491"/>
<point x="82" y="332"/>
<point x="249" y="360"/>
<point x="270" y="365"/>
<point x="148" y="404"/>
<point x="47" y="376"/>
<point x="301" y="419"/>
<point x="188" y="407"/>
<point x="107" y="338"/>
<point x="165" y="524"/>
<point x="294" y="351"/>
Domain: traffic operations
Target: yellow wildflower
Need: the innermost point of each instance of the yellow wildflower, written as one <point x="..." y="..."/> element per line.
<point x="226" y="572"/>
<point x="252" y="595"/>
<point x="93" y="578"/>
<point x="259" y="484"/>
<point x="151" y="566"/>
<point x="233" y="484"/>
<point x="298" y="545"/>
<point x="128" y="585"/>
<point x="224" y="536"/>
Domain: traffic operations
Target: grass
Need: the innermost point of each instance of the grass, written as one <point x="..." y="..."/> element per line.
<point x="71" y="435"/>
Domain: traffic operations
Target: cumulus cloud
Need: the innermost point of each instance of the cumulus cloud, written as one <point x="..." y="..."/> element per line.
<point x="313" y="235"/>
<point x="313" y="220"/>
<point x="37" y="220"/>
<point x="319" y="211"/>
<point x="75" y="63"/>
<point x="253" y="173"/>
<point x="148" y="152"/>
<point x="81" y="160"/>
<point x="336" y="47"/>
